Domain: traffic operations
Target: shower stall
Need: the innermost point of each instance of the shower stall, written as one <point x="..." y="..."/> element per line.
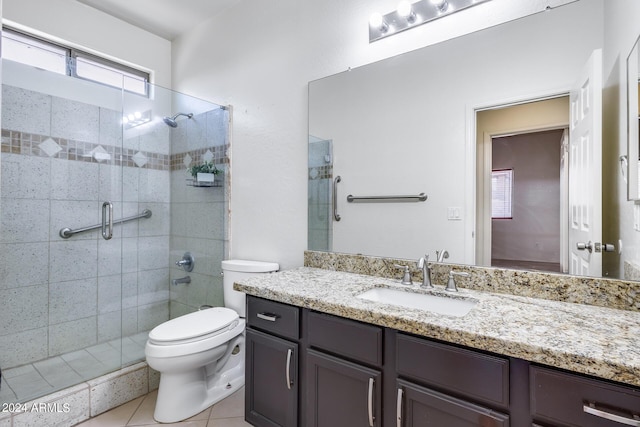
<point x="96" y="208"/>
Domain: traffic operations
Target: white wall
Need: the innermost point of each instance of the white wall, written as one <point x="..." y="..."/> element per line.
<point x="84" y="27"/>
<point x="622" y="28"/>
<point x="259" y="56"/>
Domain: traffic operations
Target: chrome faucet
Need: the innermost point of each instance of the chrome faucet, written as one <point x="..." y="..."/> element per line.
<point x="442" y="255"/>
<point x="185" y="280"/>
<point x="406" y="277"/>
<point x="423" y="263"/>
<point x="451" y="284"/>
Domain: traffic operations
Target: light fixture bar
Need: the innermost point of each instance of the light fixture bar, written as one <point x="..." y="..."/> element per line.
<point x="421" y="12"/>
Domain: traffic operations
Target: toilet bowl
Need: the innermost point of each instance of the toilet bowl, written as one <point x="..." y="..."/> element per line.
<point x="200" y="356"/>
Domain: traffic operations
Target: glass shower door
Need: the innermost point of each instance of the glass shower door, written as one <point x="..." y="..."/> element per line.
<point x="60" y="291"/>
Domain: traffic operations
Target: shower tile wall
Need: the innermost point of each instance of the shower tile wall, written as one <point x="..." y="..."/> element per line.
<point x="60" y="160"/>
<point x="198" y="214"/>
<point x="319" y="194"/>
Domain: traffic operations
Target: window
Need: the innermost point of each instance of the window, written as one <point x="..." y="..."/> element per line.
<point x="501" y="193"/>
<point x="30" y="50"/>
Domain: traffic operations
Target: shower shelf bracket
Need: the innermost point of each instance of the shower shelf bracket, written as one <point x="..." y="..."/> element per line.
<point x="195" y="183"/>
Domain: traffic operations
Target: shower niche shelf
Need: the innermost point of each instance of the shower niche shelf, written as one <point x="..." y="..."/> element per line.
<point x="196" y="183"/>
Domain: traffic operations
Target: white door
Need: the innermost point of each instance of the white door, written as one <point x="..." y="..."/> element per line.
<point x="585" y="170"/>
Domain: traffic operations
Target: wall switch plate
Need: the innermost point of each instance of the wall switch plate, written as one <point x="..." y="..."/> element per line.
<point x="454" y="213"/>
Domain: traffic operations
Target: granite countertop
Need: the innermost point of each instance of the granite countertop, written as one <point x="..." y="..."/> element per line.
<point x="597" y="341"/>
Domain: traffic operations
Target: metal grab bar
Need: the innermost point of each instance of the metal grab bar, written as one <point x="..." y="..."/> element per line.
<point x="337" y="179"/>
<point x="65" y="233"/>
<point x="419" y="198"/>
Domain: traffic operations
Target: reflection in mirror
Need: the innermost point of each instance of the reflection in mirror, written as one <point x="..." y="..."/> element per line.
<point x="633" y="107"/>
<point x="407" y="125"/>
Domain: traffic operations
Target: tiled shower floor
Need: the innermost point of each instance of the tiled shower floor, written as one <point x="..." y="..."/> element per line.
<point x="40" y="378"/>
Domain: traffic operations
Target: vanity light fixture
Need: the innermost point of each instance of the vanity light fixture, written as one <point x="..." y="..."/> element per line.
<point x="409" y="15"/>
<point x="137" y="118"/>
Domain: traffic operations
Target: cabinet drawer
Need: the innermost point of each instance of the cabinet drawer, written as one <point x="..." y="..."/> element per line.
<point x="275" y="317"/>
<point x="571" y="400"/>
<point x="348" y="338"/>
<point x="476" y="375"/>
<point x="420" y="406"/>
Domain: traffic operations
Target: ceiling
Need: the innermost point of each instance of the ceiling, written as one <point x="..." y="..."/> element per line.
<point x="165" y="18"/>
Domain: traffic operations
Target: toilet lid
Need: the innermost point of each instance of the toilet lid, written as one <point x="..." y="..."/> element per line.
<point x="194" y="325"/>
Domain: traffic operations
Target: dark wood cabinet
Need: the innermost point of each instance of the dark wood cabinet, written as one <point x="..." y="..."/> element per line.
<point x="564" y="399"/>
<point x="310" y="369"/>
<point x="419" y="406"/>
<point x="444" y="385"/>
<point x="271" y="392"/>
<point x="272" y="364"/>
<point x="343" y="372"/>
<point x="342" y="393"/>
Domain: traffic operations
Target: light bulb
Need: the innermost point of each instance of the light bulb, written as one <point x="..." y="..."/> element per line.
<point x="137" y="114"/>
<point x="125" y="120"/>
<point x="404" y="8"/>
<point x="376" y="20"/>
<point x="131" y="117"/>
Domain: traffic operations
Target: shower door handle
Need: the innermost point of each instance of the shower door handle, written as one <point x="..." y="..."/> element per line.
<point x="107" y="224"/>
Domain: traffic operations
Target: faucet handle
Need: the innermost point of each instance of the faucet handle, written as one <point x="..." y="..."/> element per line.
<point x="423" y="260"/>
<point x="423" y="263"/>
<point x="451" y="284"/>
<point x="406" y="277"/>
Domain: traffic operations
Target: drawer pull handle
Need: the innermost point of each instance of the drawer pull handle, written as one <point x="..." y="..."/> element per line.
<point x="370" y="401"/>
<point x="593" y="410"/>
<point x="268" y="316"/>
<point x="399" y="408"/>
<point x="289" y="353"/>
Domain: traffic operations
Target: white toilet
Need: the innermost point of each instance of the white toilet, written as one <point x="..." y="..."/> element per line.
<point x="200" y="356"/>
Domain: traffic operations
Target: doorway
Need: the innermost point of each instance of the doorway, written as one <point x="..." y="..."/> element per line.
<point x="523" y="145"/>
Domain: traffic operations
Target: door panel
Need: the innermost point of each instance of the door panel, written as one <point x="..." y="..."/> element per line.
<point x="585" y="169"/>
<point x="341" y="393"/>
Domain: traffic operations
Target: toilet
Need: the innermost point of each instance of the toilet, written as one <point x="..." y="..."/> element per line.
<point x="200" y="356"/>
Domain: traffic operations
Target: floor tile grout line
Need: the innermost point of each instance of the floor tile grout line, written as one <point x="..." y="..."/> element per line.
<point x="136" y="410"/>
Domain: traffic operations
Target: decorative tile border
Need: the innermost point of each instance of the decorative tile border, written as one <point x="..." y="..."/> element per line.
<point x="603" y="292"/>
<point x="216" y="154"/>
<point x="28" y="144"/>
<point x="321" y="172"/>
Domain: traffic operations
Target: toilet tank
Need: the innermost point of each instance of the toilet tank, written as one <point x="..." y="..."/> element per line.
<point x="236" y="270"/>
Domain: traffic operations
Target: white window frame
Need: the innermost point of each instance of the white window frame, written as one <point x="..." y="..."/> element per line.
<point x="131" y="79"/>
<point x="502" y="194"/>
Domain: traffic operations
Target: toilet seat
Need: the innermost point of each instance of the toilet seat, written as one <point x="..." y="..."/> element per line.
<point x="194" y="327"/>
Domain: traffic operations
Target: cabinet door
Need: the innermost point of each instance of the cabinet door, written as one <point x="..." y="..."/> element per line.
<point x="341" y="393"/>
<point x="271" y="387"/>
<point x="422" y="407"/>
<point x="563" y="399"/>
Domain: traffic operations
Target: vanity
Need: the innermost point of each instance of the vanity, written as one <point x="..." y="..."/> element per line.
<point x="317" y="355"/>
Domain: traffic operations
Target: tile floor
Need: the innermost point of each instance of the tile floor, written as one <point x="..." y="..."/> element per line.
<point x="44" y="377"/>
<point x="139" y="412"/>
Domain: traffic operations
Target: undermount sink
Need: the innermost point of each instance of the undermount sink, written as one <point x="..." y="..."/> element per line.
<point x="440" y="304"/>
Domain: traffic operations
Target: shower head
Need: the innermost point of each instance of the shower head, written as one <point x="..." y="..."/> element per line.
<point x="171" y="121"/>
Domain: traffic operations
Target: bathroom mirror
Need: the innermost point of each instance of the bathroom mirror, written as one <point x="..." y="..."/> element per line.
<point x="406" y="125"/>
<point x="633" y="110"/>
